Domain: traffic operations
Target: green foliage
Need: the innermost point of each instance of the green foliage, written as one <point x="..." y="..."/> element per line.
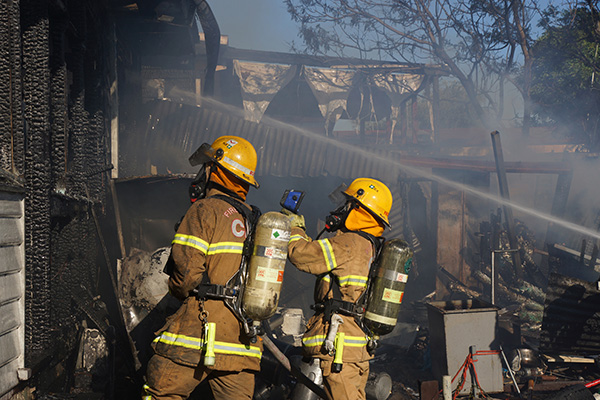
<point x="566" y="60"/>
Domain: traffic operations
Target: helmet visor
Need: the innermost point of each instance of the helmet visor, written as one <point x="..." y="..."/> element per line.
<point x="203" y="154"/>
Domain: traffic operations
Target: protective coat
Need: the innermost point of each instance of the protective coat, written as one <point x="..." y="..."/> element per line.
<point x="348" y="257"/>
<point x="209" y="241"/>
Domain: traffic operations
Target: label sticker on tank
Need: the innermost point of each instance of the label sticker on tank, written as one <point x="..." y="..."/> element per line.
<point x="269" y="275"/>
<point x="393" y="276"/>
<point x="392" y="296"/>
<point x="270" y="252"/>
<point x="278" y="234"/>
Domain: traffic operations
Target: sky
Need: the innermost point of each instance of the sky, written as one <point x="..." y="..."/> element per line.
<point x="255" y="24"/>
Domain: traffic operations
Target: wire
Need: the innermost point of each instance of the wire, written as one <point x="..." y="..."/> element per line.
<point x="469" y="365"/>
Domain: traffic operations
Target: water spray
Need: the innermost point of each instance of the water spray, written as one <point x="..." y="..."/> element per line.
<point x="415" y="171"/>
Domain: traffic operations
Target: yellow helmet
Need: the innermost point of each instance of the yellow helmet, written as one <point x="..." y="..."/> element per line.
<point x="232" y="153"/>
<point x="373" y="195"/>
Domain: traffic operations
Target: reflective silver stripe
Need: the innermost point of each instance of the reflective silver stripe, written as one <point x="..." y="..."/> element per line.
<point x="355" y="341"/>
<point x="326" y="278"/>
<point x="312" y="341"/>
<point x="350" y="341"/>
<point x="192" y="241"/>
<point x="225" y="247"/>
<point x="203" y="246"/>
<point x="328" y="253"/>
<point x="237" y="165"/>
<point x="237" y="349"/>
<point x="353" y="280"/>
<point x="293" y="238"/>
<point x="189" y="342"/>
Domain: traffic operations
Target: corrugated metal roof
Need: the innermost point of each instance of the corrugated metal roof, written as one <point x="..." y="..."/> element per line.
<point x="282" y="150"/>
<point x="571" y="323"/>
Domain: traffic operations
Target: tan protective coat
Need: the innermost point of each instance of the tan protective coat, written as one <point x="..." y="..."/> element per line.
<point x="348" y="256"/>
<point x="209" y="241"/>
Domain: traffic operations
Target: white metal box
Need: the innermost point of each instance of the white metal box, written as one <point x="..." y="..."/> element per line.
<point x="455" y="326"/>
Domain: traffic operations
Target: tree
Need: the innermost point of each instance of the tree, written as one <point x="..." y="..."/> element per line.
<point x="565" y="78"/>
<point x="477" y="40"/>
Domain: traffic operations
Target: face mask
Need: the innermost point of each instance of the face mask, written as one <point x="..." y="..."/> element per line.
<point x="335" y="219"/>
<point x="230" y="182"/>
<point x="359" y="219"/>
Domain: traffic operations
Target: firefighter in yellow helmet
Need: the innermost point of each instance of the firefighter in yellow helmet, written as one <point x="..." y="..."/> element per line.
<point x="341" y="264"/>
<point x="204" y="339"/>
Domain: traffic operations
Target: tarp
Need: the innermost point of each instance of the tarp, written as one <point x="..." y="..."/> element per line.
<point x="260" y="83"/>
<point x="330" y="87"/>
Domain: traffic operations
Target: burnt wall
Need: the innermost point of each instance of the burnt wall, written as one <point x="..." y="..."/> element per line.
<point x="53" y="133"/>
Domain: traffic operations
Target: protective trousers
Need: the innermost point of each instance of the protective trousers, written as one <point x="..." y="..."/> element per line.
<point x="349" y="383"/>
<point x="168" y="380"/>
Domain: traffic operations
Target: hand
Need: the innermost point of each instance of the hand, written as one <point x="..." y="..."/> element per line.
<point x="296" y="220"/>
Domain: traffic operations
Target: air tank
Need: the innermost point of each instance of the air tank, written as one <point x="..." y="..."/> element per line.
<point x="267" y="263"/>
<point x="387" y="290"/>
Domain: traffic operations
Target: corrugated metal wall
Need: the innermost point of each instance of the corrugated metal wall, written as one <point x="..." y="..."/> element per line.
<point x="12" y="288"/>
<point x="174" y="131"/>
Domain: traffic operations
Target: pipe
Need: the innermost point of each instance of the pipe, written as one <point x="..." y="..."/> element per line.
<point x="268" y="343"/>
<point x="212" y="41"/>
<point x="592" y="383"/>
<point x="510" y="371"/>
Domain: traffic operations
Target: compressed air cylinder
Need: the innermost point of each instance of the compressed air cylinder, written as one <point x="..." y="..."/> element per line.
<point x="387" y="290"/>
<point x="266" y="266"/>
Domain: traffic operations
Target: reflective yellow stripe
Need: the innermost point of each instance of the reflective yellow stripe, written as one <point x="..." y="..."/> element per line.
<point x="326" y="278"/>
<point x="353" y="280"/>
<point x="351" y="341"/>
<point x="194" y="343"/>
<point x="146" y="395"/>
<point x="189" y="342"/>
<point x="225" y="247"/>
<point x="312" y="341"/>
<point x="237" y="349"/>
<point x="192" y="241"/>
<point x="355" y="341"/>
<point x="293" y="238"/>
<point x="328" y="253"/>
<point x="204" y="247"/>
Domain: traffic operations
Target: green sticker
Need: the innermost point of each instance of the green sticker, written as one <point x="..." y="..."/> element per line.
<point x="408" y="265"/>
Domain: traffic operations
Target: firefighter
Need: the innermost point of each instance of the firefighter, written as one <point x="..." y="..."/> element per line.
<point x="204" y="339"/>
<point x="341" y="263"/>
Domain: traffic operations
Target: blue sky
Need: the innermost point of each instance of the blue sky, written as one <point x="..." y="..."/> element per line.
<point x="266" y="24"/>
<point x="255" y="24"/>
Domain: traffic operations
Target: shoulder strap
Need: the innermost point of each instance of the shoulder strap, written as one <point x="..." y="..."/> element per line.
<point x="251" y="215"/>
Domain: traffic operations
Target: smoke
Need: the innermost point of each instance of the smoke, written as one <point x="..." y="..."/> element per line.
<point x="531" y="194"/>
